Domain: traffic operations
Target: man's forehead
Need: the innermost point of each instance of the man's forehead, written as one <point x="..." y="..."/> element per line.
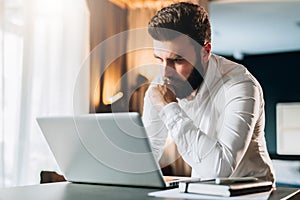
<point x="180" y="46"/>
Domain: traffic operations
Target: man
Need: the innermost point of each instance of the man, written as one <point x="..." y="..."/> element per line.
<point x="212" y="108"/>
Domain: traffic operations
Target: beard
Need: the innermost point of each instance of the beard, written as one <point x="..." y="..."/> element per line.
<point x="184" y="88"/>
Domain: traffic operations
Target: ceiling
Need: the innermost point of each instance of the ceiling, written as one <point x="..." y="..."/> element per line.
<point x="255" y="27"/>
<point x="132" y="4"/>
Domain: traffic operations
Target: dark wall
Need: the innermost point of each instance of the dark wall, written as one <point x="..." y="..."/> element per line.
<point x="279" y="76"/>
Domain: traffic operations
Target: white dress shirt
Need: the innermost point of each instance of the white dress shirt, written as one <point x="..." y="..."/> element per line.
<point x="220" y="132"/>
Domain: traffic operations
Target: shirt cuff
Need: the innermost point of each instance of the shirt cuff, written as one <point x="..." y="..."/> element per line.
<point x="171" y="114"/>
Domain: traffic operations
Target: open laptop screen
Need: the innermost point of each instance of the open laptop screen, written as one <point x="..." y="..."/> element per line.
<point x="106" y="148"/>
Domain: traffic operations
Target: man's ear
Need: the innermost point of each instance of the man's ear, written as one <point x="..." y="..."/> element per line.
<point x="205" y="52"/>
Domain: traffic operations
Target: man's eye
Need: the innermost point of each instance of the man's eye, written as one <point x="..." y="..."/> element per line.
<point x="178" y="60"/>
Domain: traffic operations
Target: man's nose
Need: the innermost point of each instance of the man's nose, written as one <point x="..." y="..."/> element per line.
<point x="169" y="69"/>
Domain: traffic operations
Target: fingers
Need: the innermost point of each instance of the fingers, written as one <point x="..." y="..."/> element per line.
<point x="162" y="88"/>
<point x="161" y="95"/>
<point x="156" y="96"/>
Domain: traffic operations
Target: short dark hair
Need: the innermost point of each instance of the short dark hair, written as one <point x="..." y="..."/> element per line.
<point x="185" y="18"/>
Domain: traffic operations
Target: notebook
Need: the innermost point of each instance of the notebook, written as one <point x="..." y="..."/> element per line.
<point x="106" y="148"/>
<point x="227" y="188"/>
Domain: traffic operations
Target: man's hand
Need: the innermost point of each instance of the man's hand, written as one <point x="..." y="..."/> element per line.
<point x="161" y="95"/>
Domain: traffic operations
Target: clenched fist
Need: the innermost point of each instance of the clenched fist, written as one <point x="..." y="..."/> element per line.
<point x="161" y="95"/>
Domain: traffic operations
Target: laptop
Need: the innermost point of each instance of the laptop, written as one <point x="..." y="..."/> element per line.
<point x="106" y="148"/>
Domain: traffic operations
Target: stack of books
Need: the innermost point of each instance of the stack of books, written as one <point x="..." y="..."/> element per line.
<point x="226" y="186"/>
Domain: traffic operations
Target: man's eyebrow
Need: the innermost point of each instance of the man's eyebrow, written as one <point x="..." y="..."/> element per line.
<point x="156" y="56"/>
<point x="176" y="56"/>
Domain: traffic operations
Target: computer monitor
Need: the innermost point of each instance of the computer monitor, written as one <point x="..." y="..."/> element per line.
<point x="288" y="129"/>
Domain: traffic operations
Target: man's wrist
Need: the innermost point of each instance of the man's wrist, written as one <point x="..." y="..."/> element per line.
<point x="159" y="107"/>
<point x="169" y="114"/>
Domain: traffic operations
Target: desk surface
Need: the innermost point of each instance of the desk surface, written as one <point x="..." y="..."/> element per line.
<point x="72" y="191"/>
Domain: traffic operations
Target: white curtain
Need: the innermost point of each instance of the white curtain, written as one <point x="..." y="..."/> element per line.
<point x="43" y="46"/>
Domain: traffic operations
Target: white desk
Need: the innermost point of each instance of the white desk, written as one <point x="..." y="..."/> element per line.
<point x="72" y="191"/>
